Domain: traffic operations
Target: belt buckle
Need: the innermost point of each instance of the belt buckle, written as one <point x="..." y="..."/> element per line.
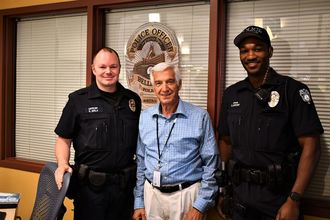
<point x="167" y="189"/>
<point x="170" y="189"/>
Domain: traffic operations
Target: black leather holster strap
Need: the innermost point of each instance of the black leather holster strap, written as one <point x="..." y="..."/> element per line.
<point x="173" y="188"/>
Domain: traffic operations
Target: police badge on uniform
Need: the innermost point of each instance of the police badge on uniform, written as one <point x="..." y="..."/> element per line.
<point x="132" y="105"/>
<point x="306" y="97"/>
<point x="274" y="99"/>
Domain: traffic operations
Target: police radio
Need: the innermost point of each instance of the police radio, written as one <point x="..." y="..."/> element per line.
<point x="263" y="94"/>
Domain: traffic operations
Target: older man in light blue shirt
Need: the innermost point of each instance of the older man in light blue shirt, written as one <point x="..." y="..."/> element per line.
<point x="177" y="155"/>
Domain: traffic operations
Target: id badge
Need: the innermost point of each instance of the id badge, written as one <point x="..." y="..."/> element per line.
<point x="156" y="179"/>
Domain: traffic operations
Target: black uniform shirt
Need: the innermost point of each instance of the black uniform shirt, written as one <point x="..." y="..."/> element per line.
<point x="103" y="128"/>
<point x="261" y="133"/>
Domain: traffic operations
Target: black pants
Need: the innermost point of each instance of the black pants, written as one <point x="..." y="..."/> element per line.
<point x="255" y="215"/>
<point x="258" y="201"/>
<point x="110" y="203"/>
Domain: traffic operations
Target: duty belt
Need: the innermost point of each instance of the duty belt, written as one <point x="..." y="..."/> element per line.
<point x="275" y="176"/>
<point x="124" y="177"/>
<point x="241" y="173"/>
<point x="102" y="178"/>
<point x="173" y="188"/>
<point x="253" y="176"/>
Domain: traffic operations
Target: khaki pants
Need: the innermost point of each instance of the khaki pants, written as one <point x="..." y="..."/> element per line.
<point x="169" y="206"/>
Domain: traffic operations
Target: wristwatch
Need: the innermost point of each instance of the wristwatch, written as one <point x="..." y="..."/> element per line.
<point x="295" y="196"/>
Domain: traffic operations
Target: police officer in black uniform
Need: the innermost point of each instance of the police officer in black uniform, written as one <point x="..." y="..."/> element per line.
<point x="269" y="135"/>
<point x="101" y="121"/>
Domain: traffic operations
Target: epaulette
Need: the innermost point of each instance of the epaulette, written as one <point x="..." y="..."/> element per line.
<point x="128" y="93"/>
<point x="81" y="91"/>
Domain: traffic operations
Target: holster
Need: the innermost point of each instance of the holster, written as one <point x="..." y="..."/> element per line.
<point x="85" y="176"/>
<point x="234" y="172"/>
<point x="228" y="201"/>
<point x="225" y="187"/>
<point x="221" y="177"/>
<point x="275" y="177"/>
<point x="282" y="176"/>
<point x="128" y="177"/>
<point x="82" y="173"/>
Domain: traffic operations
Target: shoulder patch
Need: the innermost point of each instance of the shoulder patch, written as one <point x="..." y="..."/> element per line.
<point x="305" y="95"/>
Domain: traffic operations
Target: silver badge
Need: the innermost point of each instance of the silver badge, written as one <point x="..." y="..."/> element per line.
<point x="132" y="105"/>
<point x="306" y="97"/>
<point x="274" y="99"/>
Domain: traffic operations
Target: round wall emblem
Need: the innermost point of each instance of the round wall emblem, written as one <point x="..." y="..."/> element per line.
<point x="150" y="44"/>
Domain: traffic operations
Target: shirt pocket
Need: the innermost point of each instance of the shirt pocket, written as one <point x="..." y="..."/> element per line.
<point x="270" y="126"/>
<point x="128" y="129"/>
<point x="96" y="131"/>
<point x="235" y="127"/>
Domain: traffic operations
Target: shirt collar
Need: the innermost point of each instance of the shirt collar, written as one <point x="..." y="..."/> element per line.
<point x="94" y="91"/>
<point x="181" y="110"/>
<point x="272" y="80"/>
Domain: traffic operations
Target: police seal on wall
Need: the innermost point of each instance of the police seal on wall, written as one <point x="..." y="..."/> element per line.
<point x="150" y="44"/>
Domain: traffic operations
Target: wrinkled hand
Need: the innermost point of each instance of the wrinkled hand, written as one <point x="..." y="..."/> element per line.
<point x="59" y="172"/>
<point x="288" y="211"/>
<point x="193" y="214"/>
<point x="139" y="214"/>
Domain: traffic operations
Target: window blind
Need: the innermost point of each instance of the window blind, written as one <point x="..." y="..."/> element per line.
<point x="190" y="22"/>
<point x="51" y="63"/>
<point x="299" y="31"/>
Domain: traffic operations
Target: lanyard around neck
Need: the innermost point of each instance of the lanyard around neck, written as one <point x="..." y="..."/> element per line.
<point x="168" y="137"/>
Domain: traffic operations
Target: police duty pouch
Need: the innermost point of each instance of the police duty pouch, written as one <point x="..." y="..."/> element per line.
<point x="97" y="179"/>
<point x="128" y="177"/>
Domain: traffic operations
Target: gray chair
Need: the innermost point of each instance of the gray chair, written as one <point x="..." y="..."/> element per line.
<point x="48" y="204"/>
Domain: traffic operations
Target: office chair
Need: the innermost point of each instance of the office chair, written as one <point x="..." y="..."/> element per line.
<point x="48" y="204"/>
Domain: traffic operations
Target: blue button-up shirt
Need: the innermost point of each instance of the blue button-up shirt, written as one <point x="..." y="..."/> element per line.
<point x="191" y="153"/>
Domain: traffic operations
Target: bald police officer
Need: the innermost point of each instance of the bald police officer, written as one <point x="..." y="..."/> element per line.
<point x="102" y="123"/>
<point x="269" y="135"/>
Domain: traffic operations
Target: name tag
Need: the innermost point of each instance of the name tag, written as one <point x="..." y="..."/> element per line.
<point x="156" y="179"/>
<point x="93" y="109"/>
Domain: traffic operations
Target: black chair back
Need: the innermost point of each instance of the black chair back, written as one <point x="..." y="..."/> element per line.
<point x="49" y="200"/>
